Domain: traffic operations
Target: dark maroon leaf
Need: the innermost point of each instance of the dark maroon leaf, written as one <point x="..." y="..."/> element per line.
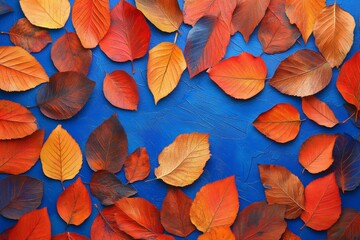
<point x="347" y="227"/>
<point x="354" y="113"/>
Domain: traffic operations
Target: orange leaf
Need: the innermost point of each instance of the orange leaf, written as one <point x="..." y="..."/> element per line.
<point x="19" y="70"/>
<point x="15" y="121"/>
<point x="33" y="225"/>
<point x="19" y="155"/>
<point x="303" y="13"/>
<point x="139" y="218"/>
<point x="217" y="233"/>
<point x="322" y="203"/>
<point x="284" y="188"/>
<point x="260" y="221"/>
<point x="120" y="90"/>
<point x="288" y="235"/>
<point x="175" y="213"/>
<point x="319" y="112"/>
<point x="137" y="165"/>
<point x="69" y="236"/>
<point x="334" y="34"/>
<point x="276" y="34"/>
<point x="28" y="36"/>
<point x="74" y="204"/>
<point x="316" y="153"/>
<point x="91" y="20"/>
<point x="348" y="226"/>
<point x="166" y="15"/>
<point x="215" y="205"/>
<point x="281" y="123"/>
<point x="68" y="54"/>
<point x="302" y="74"/>
<point x="241" y="77"/>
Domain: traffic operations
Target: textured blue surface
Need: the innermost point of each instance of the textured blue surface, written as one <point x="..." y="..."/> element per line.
<point x="196" y="105"/>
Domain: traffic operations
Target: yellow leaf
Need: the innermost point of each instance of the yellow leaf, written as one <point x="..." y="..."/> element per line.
<point x="51" y="14"/>
<point x="61" y="156"/>
<point x="182" y="162"/>
<point x="165" y="66"/>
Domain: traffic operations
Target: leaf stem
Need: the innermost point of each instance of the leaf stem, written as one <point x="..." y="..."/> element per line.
<point x="132" y="67"/>
<point x="30" y="107"/>
<point x="5" y="33"/>
<point x="151" y="180"/>
<point x="176" y="36"/>
<point x="62" y="185"/>
<point x="348" y="118"/>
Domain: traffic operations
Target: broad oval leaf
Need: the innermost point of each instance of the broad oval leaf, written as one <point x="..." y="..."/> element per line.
<point x="316" y="152"/>
<point x="165" y="67"/>
<point x="288" y="235"/>
<point x="206" y="44"/>
<point x="183" y="161"/>
<point x="319" y="112"/>
<point x="348" y="226"/>
<point x="69" y="236"/>
<point x="65" y="95"/>
<point x="175" y="213"/>
<point x="120" y="90"/>
<point x="74" y="204"/>
<point x="68" y="54"/>
<point x="28" y="36"/>
<point x="5" y="8"/>
<point x="19" y="155"/>
<point x="217" y="233"/>
<point x="334" y="34"/>
<point x="215" y="205"/>
<point x="108" y="189"/>
<point x="107" y="146"/>
<point x="283" y="188"/>
<point x="322" y="203"/>
<point x="302" y="74"/>
<point x="61" y="157"/>
<point x="51" y="14"/>
<point x="91" y="21"/>
<point x="15" y="121"/>
<point x="276" y="33"/>
<point x="346" y="155"/>
<point x="166" y="15"/>
<point x="281" y="123"/>
<point x="137" y="165"/>
<point x="139" y="218"/>
<point x="19" y="70"/>
<point x="304" y="13"/>
<point x="241" y="77"/>
<point x="19" y="195"/>
<point x="260" y="221"/>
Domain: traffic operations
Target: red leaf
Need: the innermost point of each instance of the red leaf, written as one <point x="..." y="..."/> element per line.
<point x="288" y="235"/>
<point x="348" y="226"/>
<point x="69" y="236"/>
<point x="164" y="237"/>
<point x="137" y="165"/>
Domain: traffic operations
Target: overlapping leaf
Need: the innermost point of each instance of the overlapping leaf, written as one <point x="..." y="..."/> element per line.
<point x="348" y="226"/>
<point x="288" y="235"/>
<point x="137" y="165"/>
<point x="69" y="236"/>
<point x="319" y="112"/>
<point x="218" y="233"/>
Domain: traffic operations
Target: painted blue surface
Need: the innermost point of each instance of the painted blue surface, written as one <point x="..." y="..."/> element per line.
<point x="196" y="105"/>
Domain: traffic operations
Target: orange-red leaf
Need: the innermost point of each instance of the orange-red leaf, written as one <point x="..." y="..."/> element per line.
<point x="302" y="74"/>
<point x="15" y="121"/>
<point x="241" y="77"/>
<point x="217" y="233"/>
<point x="276" y="34"/>
<point x="120" y="90"/>
<point x="137" y="165"/>
<point x="316" y="153"/>
<point x="74" y="204"/>
<point x="19" y="155"/>
<point x="281" y="123"/>
<point x="319" y="112"/>
<point x="164" y="237"/>
<point x="215" y="205"/>
<point x="348" y="226"/>
<point x="91" y="20"/>
<point x="175" y="213"/>
<point x="322" y="203"/>
<point x="68" y="54"/>
<point x="69" y="236"/>
<point x="288" y="235"/>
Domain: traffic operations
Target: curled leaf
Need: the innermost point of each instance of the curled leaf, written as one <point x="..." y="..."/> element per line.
<point x="137" y="165"/>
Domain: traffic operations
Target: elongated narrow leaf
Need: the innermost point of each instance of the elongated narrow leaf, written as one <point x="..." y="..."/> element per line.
<point x="241" y="77"/>
<point x="319" y="112"/>
<point x="69" y="236"/>
<point x="183" y="161"/>
<point x="218" y="233"/>
<point x="5" y="8"/>
<point x="61" y="156"/>
<point x="91" y="21"/>
<point x="348" y="226"/>
<point x="137" y="165"/>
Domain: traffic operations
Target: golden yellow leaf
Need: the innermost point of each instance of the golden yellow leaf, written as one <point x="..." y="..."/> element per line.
<point x="51" y="14"/>
<point x="182" y="162"/>
<point x="165" y="66"/>
<point x="61" y="156"/>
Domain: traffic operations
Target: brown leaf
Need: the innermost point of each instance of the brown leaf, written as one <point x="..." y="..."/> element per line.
<point x="137" y="165"/>
<point x="319" y="112"/>
<point x="348" y="226"/>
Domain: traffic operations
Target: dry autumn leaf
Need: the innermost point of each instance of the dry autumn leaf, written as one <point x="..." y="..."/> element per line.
<point x="288" y="235"/>
<point x="69" y="236"/>
<point x="165" y="67"/>
<point x="137" y="165"/>
<point x="319" y="112"/>
<point x="217" y="233"/>
<point x="51" y="14"/>
<point x="334" y="34"/>
<point x="302" y="74"/>
<point x="348" y="226"/>
<point x="183" y="161"/>
<point x="215" y="205"/>
<point x="19" y="70"/>
<point x="281" y="123"/>
<point x="241" y="77"/>
<point x="91" y="21"/>
<point x="61" y="156"/>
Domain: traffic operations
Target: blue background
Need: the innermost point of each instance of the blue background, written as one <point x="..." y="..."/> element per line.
<point x="196" y="105"/>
